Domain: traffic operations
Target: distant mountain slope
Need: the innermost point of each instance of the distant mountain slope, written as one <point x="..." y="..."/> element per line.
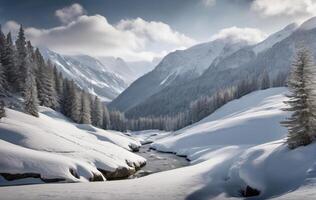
<point x="89" y="73"/>
<point x="174" y="69"/>
<point x="275" y="55"/>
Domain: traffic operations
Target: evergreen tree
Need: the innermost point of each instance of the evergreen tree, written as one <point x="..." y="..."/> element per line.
<point x="8" y="62"/>
<point x="58" y="85"/>
<point x="301" y="125"/>
<point x="21" y="59"/>
<point x="85" y="117"/>
<point x="265" y="80"/>
<point x="2" y="110"/>
<point x="46" y="85"/>
<point x="97" y="118"/>
<point x="106" y="118"/>
<point x="30" y="93"/>
<point x="71" y="104"/>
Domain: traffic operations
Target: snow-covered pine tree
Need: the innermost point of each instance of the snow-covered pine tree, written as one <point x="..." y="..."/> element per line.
<point x="20" y="44"/>
<point x="97" y="118"/>
<point x="30" y="92"/>
<point x="46" y="86"/>
<point x="2" y="110"/>
<point x="3" y="82"/>
<point x="71" y="104"/>
<point x="8" y="62"/>
<point x="265" y="80"/>
<point x="85" y="117"/>
<point x="106" y="118"/>
<point x="3" y="79"/>
<point x="302" y="101"/>
<point x="58" y="85"/>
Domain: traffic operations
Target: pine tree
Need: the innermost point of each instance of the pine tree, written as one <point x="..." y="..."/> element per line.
<point x="30" y="93"/>
<point x="58" y="85"/>
<point x="9" y="64"/>
<point x="106" y="118"/>
<point x="71" y="102"/>
<point x="265" y="80"/>
<point x="46" y="86"/>
<point x="3" y="82"/>
<point x="2" y="110"/>
<point x="85" y="117"/>
<point x="97" y="118"/>
<point x="21" y="59"/>
<point x="3" y="79"/>
<point x="301" y="125"/>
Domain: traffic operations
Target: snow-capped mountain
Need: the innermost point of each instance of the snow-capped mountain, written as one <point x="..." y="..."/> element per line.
<point x="89" y="73"/>
<point x="183" y="76"/>
<point x="175" y="68"/>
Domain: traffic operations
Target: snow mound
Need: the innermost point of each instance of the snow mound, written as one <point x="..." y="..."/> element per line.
<point x="55" y="148"/>
<point x="252" y="119"/>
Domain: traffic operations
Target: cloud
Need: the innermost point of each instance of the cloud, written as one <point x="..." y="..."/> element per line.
<point x="209" y="3"/>
<point x="251" y="35"/>
<point x="296" y="8"/>
<point x="131" y="39"/>
<point x="70" y="13"/>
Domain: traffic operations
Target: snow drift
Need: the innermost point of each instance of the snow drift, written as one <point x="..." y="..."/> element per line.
<point x="53" y="148"/>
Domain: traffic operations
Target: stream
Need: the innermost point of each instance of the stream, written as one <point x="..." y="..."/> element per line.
<point x="158" y="161"/>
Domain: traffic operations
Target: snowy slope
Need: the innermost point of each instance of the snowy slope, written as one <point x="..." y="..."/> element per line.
<point x="175" y="68"/>
<point x="221" y="170"/>
<point x="89" y="73"/>
<point x="56" y="148"/>
<point x="242" y="121"/>
<point x="275" y="38"/>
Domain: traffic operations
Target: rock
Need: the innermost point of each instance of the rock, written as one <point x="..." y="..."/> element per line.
<point x="249" y="192"/>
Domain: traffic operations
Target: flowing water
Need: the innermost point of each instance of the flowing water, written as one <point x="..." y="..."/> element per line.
<point x="158" y="161"/>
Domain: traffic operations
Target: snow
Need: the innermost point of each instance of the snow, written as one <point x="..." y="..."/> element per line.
<point x="51" y="145"/>
<point x="199" y="57"/>
<point x="252" y="119"/>
<point x="255" y="157"/>
<point x="275" y="38"/>
<point x="309" y="24"/>
<point x="91" y="74"/>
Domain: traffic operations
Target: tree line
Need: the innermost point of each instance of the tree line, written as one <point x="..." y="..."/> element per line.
<point x="206" y="105"/>
<point x="25" y="73"/>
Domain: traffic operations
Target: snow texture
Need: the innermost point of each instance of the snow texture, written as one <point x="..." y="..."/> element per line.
<point x="52" y="146"/>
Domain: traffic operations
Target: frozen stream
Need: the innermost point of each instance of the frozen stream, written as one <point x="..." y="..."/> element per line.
<point x="158" y="161"/>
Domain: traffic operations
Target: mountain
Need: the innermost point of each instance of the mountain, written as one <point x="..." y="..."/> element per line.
<point x="106" y="77"/>
<point x="89" y="73"/>
<point x="128" y="71"/>
<point x="176" y="68"/>
<point x="273" y="55"/>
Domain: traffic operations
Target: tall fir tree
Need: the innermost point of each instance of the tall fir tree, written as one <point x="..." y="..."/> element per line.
<point x="30" y="92"/>
<point x="265" y="80"/>
<point x="106" y="118"/>
<point x="302" y="101"/>
<point x="97" y="118"/>
<point x="9" y="63"/>
<point x="20" y="44"/>
<point x="46" y="86"/>
<point x="85" y="117"/>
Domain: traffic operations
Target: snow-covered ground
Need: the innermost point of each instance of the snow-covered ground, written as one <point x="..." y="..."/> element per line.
<point x="237" y="151"/>
<point x="53" y="148"/>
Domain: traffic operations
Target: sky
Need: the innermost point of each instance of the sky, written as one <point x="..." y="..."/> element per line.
<point x="144" y="29"/>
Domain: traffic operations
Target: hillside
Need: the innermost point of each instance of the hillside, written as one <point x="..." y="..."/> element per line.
<point x="273" y="55"/>
<point x="52" y="148"/>
<point x="221" y="168"/>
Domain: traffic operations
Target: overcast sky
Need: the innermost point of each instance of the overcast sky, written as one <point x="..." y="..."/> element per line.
<point x="144" y="29"/>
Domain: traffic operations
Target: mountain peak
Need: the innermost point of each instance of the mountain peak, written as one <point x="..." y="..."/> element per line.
<point x="309" y="24"/>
